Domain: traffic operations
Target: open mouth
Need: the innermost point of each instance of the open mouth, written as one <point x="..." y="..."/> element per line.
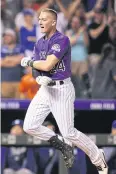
<point x="41" y="26"/>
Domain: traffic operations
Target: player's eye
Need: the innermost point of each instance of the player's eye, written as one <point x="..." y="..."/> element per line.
<point x="44" y="19"/>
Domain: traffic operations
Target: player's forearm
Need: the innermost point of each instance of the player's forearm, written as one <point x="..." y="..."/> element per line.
<point x="42" y="65"/>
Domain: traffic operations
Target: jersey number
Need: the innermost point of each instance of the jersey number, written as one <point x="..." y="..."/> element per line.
<point x="58" y="67"/>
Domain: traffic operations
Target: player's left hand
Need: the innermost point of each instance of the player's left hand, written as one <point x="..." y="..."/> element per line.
<point x="43" y="80"/>
<point x="25" y="61"/>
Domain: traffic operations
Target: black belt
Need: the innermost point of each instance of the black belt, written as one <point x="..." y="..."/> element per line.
<point x="53" y="83"/>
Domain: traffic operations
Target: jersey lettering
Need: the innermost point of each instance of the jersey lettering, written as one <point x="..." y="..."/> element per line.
<point x="58" y="67"/>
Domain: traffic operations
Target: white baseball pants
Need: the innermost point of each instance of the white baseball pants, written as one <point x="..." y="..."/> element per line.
<point x="59" y="100"/>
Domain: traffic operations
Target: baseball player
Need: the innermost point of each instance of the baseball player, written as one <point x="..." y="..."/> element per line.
<point x="51" y="64"/>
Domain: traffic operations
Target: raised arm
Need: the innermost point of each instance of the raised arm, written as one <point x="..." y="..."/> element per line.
<point x="94" y="33"/>
<point x="73" y="6"/>
<point x="63" y="9"/>
<point x="45" y="5"/>
<point x="71" y="9"/>
<point x="98" y="5"/>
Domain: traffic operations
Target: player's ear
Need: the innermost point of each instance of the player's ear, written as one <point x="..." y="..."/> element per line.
<point x="54" y="23"/>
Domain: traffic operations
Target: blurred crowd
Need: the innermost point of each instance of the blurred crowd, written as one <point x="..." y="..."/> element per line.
<point x="91" y="28"/>
<point x="36" y="160"/>
<point x="45" y="160"/>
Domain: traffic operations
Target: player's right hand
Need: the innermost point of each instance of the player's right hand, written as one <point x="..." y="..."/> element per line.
<point x="24" y="61"/>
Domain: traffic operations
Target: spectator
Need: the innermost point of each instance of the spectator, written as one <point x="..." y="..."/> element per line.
<point x="28" y="85"/>
<point x="86" y="16"/>
<point x="74" y="8"/>
<point x="19" y="19"/>
<point x="79" y="42"/>
<point x="11" y="71"/>
<point x="14" y="6"/>
<point x="110" y="152"/>
<point x="28" y="32"/>
<point x="6" y="16"/>
<point x="98" y="32"/>
<point x="19" y="160"/>
<point x="104" y="76"/>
